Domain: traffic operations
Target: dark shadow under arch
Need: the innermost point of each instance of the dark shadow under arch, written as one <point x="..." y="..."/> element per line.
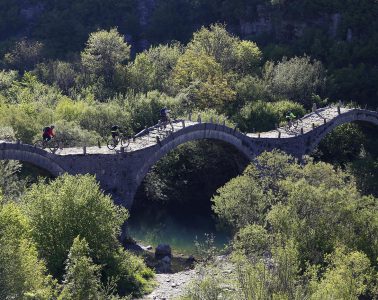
<point x="199" y="133"/>
<point x="350" y="117"/>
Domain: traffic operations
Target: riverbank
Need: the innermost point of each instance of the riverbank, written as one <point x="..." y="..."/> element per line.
<point x="173" y="286"/>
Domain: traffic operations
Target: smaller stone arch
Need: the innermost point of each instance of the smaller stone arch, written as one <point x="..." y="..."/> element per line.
<point x="32" y="155"/>
<point x="315" y="136"/>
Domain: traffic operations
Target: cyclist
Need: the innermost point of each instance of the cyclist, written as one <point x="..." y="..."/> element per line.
<point x="164" y="117"/>
<point x="115" y="130"/>
<point x="48" y="133"/>
<point x="290" y="117"/>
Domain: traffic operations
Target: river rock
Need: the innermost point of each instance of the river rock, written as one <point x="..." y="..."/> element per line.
<point x="162" y="251"/>
<point x="164" y="265"/>
<point x="190" y="260"/>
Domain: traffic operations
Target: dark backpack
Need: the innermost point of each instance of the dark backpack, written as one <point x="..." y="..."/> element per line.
<point x="163" y="112"/>
<point x="46" y="129"/>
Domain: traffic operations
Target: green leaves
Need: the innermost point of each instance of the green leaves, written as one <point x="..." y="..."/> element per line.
<point x="82" y="277"/>
<point x="68" y="207"/>
<point x="103" y="52"/>
<point x="21" y="271"/>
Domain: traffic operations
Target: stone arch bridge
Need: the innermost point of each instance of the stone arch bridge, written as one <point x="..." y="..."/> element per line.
<point x="120" y="172"/>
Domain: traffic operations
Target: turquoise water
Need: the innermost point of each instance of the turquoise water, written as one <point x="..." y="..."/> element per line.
<point x="178" y="230"/>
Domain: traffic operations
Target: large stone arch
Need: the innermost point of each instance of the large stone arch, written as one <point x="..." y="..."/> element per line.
<point x="32" y="155"/>
<point x="352" y="116"/>
<point x="192" y="133"/>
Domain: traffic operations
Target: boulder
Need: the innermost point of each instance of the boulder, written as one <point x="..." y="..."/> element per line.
<point x="190" y="260"/>
<point x="164" y="265"/>
<point x="162" y="251"/>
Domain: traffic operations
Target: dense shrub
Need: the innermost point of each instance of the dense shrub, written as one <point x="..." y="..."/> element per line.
<point x="262" y="116"/>
<point x="74" y="206"/>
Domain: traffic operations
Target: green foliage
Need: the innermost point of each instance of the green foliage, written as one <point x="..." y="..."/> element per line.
<point x="22" y="274"/>
<point x="206" y="251"/>
<point x="73" y="206"/>
<point x="144" y="109"/>
<point x="365" y="170"/>
<point x="262" y="116"/>
<point x="209" y="285"/>
<point x="133" y="277"/>
<point x="82" y="277"/>
<point x="204" y="80"/>
<point x="68" y="207"/>
<point x="208" y="67"/>
<point x="7" y="78"/>
<point x="103" y="52"/>
<point x="58" y="73"/>
<point x="11" y="185"/>
<point x="240" y="202"/>
<point x="295" y="79"/>
<point x="343" y="144"/>
<point x="151" y="69"/>
<point x="227" y="50"/>
<point x="24" y="55"/>
<point x="251" y="240"/>
<point x="271" y="278"/>
<point x="313" y="204"/>
<point x="347" y="276"/>
<point x="250" y="88"/>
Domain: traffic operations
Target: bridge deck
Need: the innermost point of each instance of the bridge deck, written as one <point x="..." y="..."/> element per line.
<point x="317" y="118"/>
<point x="148" y="138"/>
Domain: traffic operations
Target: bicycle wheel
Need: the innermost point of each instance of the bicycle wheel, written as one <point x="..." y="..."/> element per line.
<point x="39" y="144"/>
<point x="125" y="141"/>
<point x="111" y="144"/>
<point x="53" y="146"/>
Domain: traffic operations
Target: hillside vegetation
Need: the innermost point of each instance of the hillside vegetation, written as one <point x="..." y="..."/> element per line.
<point x="300" y="231"/>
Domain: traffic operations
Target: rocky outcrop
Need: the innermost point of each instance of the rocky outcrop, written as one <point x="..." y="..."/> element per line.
<point x="270" y="21"/>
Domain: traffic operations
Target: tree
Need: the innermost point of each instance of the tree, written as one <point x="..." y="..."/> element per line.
<point x="203" y="77"/>
<point x="67" y="207"/>
<point x="104" y="51"/>
<point x="25" y="55"/>
<point x="152" y="69"/>
<point x="82" y="277"/>
<point x="343" y="144"/>
<point x="295" y="79"/>
<point x="226" y="49"/>
<point x="21" y="271"/>
<point x="10" y="183"/>
<point x="74" y="206"/>
<point x="347" y="276"/>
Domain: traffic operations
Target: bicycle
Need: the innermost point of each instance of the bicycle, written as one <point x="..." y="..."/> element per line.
<point x="53" y="145"/>
<point x="293" y="124"/>
<point x="162" y="124"/>
<point x="122" y="139"/>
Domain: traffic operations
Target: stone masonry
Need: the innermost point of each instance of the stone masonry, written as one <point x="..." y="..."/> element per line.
<point x="120" y="172"/>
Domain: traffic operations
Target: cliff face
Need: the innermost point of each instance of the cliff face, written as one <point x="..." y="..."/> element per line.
<point x="269" y="22"/>
<point x="145" y="10"/>
<point x="265" y="23"/>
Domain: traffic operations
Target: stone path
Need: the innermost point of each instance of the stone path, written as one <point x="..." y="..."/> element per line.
<point x="317" y="118"/>
<point x="144" y="139"/>
<point x="147" y="137"/>
<point x="171" y="286"/>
